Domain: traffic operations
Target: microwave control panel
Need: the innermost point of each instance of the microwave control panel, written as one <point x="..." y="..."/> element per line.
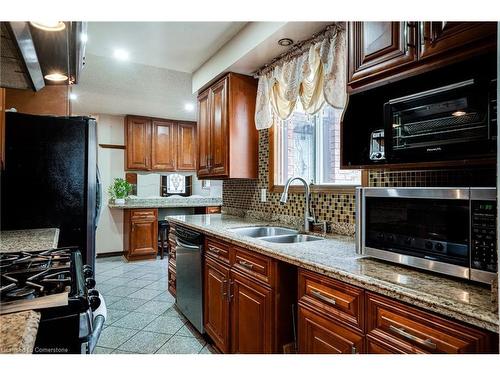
<point x="484" y="252"/>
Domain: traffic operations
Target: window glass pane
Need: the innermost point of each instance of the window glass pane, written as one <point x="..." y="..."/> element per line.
<point x="330" y="140"/>
<point x="298" y="147"/>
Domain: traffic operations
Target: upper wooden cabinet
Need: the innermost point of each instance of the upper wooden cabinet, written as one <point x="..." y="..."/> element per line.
<point x="375" y="47"/>
<point x="186" y="150"/>
<point x="163" y="142"/>
<point x="159" y="145"/>
<point x="227" y="137"/>
<point x="381" y="52"/>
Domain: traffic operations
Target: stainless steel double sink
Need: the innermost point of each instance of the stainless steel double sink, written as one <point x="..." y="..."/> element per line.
<point x="275" y="234"/>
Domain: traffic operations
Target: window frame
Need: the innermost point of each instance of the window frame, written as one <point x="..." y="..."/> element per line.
<point x="273" y="177"/>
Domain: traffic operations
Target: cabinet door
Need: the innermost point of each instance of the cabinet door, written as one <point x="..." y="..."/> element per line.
<point x="318" y="335"/>
<point x="186" y="147"/>
<point x="143" y="237"/>
<point x="219" y="132"/>
<point x="442" y="37"/>
<point x="138" y="143"/>
<point x="251" y="316"/>
<point x="379" y="47"/>
<point x="163" y="145"/>
<point x="204" y="134"/>
<point x="216" y="303"/>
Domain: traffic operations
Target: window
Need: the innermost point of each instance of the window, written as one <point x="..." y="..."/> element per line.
<point x="309" y="147"/>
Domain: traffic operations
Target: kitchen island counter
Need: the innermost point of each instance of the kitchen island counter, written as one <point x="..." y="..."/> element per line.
<point x="165" y="202"/>
<point x="336" y="257"/>
<point x="28" y="240"/>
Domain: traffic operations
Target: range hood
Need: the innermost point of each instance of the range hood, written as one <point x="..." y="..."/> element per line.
<point x="29" y="54"/>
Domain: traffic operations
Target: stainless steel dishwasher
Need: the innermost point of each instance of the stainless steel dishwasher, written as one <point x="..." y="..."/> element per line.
<point x="189" y="275"/>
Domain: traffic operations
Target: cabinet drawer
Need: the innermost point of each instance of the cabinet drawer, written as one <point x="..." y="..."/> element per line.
<point x="217" y="250"/>
<point x="255" y="265"/>
<point x="334" y="298"/>
<point x="213" y="210"/>
<point x="411" y="330"/>
<point x="143" y="214"/>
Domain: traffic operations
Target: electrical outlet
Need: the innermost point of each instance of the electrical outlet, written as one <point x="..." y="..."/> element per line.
<point x="263" y="196"/>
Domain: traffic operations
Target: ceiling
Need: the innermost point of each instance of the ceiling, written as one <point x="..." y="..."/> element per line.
<point x="181" y="46"/>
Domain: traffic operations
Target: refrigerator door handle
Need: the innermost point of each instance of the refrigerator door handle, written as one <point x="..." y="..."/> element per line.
<point x="98" y="203"/>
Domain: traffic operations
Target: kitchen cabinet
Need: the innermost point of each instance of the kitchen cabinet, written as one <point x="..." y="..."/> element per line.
<point x="216" y="306"/>
<point x="335" y="317"/>
<point x="383" y="52"/>
<point x="140" y="233"/>
<point x="2" y="128"/>
<point x="378" y="47"/>
<point x="159" y="145"/>
<point x="163" y="145"/>
<point x="186" y="150"/>
<point x="138" y="143"/>
<point x="172" y="266"/>
<point x="227" y="137"/>
<point x="247" y="308"/>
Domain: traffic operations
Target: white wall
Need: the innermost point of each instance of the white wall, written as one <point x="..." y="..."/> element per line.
<point x="109" y="235"/>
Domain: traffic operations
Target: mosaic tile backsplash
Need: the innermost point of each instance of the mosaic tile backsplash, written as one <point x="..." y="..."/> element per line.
<point x="242" y="196"/>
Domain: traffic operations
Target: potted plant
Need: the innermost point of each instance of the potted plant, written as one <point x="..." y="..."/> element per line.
<point x="119" y="190"/>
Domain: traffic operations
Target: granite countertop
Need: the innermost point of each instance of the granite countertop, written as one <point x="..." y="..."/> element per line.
<point x="336" y="258"/>
<point x="18" y="332"/>
<point x="28" y="239"/>
<point x="164" y="202"/>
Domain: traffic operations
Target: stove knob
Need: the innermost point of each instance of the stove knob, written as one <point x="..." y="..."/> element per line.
<point x="429" y="245"/>
<point x="439" y="246"/>
<point x="93" y="292"/>
<point x="390" y="238"/>
<point x="94" y="302"/>
<point x="89" y="283"/>
<point x="408" y="241"/>
<point x="87" y="271"/>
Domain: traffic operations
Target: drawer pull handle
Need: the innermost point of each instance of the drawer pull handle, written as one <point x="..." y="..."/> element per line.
<point x="246" y="264"/>
<point x="323" y="298"/>
<point x="223" y="288"/>
<point x="214" y="250"/>
<point x="400" y="331"/>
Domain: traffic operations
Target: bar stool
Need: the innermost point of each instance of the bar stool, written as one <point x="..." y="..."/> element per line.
<point x="163" y="245"/>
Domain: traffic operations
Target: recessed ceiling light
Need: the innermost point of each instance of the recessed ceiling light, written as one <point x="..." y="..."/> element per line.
<point x="285" y="42"/>
<point x="189" y="107"/>
<point x="56" y="77"/>
<point x="120" y="54"/>
<point x="73" y="96"/>
<point x="49" y="25"/>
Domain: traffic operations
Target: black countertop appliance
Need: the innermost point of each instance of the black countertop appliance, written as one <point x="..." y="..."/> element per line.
<point x="51" y="178"/>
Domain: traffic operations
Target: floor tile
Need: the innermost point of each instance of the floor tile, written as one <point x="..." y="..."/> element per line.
<point x="154" y="307"/>
<point x="134" y="320"/>
<point x="113" y="337"/>
<point x="165" y="324"/>
<point x="145" y="293"/>
<point x="129" y="304"/>
<point x="181" y="345"/>
<point x="118" y="351"/>
<point x="161" y="284"/>
<point x="165" y="296"/>
<point x="122" y="291"/>
<point x="119" y="281"/>
<point x="114" y="315"/>
<point x="208" y="349"/>
<point x="188" y="330"/>
<point x="102" y="350"/>
<point x="174" y="312"/>
<point x="109" y="300"/>
<point x="140" y="283"/>
<point x="145" y="342"/>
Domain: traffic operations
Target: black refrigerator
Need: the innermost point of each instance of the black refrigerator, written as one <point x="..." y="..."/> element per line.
<point x="51" y="178"/>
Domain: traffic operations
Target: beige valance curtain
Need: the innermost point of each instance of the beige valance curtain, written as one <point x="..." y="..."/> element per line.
<point x="314" y="77"/>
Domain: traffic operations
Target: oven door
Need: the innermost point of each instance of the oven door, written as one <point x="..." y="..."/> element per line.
<point x="444" y="123"/>
<point x="425" y="228"/>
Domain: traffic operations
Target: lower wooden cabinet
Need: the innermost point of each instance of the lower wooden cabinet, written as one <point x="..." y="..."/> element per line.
<point x="251" y="316"/>
<point x="172" y="278"/>
<point x="140" y="233"/>
<point x="216" y="303"/>
<point x="319" y="335"/>
<point x="247" y="312"/>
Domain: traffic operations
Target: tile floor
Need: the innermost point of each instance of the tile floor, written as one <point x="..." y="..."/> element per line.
<point x="142" y="317"/>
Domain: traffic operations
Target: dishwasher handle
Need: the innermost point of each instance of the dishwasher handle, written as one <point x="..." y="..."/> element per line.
<point x="187" y="246"/>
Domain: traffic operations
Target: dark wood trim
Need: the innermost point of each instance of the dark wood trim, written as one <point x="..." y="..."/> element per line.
<point x="109" y="255"/>
<point x="105" y="145"/>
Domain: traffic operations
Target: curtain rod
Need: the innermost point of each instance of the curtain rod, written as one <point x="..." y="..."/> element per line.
<point x="299" y="48"/>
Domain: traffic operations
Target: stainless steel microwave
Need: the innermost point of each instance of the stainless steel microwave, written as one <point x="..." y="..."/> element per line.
<point x="457" y="121"/>
<point x="446" y="230"/>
